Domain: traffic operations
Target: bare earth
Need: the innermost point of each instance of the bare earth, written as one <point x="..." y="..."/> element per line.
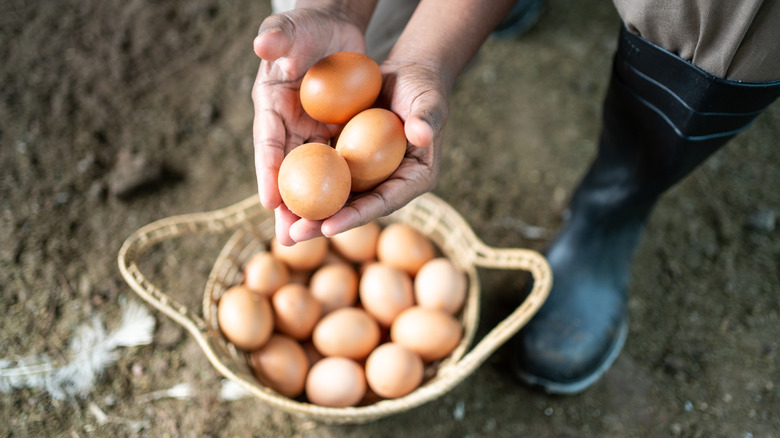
<point x="86" y="87"/>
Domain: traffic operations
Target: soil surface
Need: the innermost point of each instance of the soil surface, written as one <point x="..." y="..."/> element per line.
<point x="114" y="114"/>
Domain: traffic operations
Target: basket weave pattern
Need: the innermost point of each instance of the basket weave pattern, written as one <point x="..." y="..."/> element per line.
<point x="252" y="228"/>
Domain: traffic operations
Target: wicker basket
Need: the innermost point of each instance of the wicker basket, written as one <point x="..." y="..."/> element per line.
<point x="251" y="227"/>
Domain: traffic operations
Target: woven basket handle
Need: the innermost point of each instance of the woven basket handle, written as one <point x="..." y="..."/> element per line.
<point x="135" y="246"/>
<point x="499" y="258"/>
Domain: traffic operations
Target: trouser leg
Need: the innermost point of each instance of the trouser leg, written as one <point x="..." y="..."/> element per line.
<point x="734" y="40"/>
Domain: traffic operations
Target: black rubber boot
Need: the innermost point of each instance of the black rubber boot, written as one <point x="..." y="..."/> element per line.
<point x="520" y="19"/>
<point x="662" y="117"/>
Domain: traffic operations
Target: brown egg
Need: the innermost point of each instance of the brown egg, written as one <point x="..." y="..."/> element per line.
<point x="314" y="181"/>
<point x="373" y="143"/>
<point x="245" y="317"/>
<point x="302" y="256"/>
<point x="439" y="284"/>
<point x="296" y="311"/>
<point x="358" y="244"/>
<point x="281" y="364"/>
<point x="339" y="86"/>
<point x="336" y="382"/>
<point x="385" y="291"/>
<point x="264" y="273"/>
<point x="347" y="332"/>
<point x="430" y="333"/>
<point x="393" y="370"/>
<point x="334" y="286"/>
<point x="404" y="247"/>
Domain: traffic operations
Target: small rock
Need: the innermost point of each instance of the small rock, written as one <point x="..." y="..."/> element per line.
<point x="764" y="220"/>
<point x="86" y="164"/>
<point x="459" y="412"/>
<point x="85" y="285"/>
<point x="132" y="172"/>
<point x="490" y="425"/>
<point x="62" y="198"/>
<point x="96" y="192"/>
<point x="674" y="364"/>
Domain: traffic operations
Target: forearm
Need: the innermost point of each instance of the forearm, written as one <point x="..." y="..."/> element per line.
<point x="447" y="33"/>
<point x="357" y="12"/>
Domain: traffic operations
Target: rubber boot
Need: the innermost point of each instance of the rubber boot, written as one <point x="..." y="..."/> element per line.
<point x="520" y="19"/>
<point x="662" y="117"/>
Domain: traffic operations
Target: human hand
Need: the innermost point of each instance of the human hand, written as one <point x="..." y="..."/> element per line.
<point x="288" y="45"/>
<point x="416" y="93"/>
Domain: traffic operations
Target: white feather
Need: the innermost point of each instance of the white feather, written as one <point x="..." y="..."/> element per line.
<point x="90" y="351"/>
<point x="181" y="391"/>
<point x="230" y="391"/>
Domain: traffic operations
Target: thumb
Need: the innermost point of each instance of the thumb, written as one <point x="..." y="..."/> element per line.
<point x="425" y="121"/>
<point x="274" y="39"/>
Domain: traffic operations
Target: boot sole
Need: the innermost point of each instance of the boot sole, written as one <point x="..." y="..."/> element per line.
<point x="577" y="386"/>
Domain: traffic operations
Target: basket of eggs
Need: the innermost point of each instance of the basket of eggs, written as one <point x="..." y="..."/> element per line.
<point x="348" y="329"/>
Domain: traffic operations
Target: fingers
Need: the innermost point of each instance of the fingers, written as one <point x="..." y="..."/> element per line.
<point x="305" y="229"/>
<point x="351" y="216"/>
<point x="417" y="173"/>
<point x="268" y="136"/>
<point x="274" y="39"/>
<point x="418" y="132"/>
<point x="426" y="119"/>
<point x="267" y="175"/>
<point x="283" y="219"/>
<point x="383" y="200"/>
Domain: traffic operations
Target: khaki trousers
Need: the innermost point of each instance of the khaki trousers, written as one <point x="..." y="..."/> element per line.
<point x="733" y="39"/>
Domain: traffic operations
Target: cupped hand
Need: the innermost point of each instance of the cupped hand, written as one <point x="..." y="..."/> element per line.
<point x="288" y="45"/>
<point x="418" y="95"/>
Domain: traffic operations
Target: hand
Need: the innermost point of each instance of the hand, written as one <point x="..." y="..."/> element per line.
<point x="288" y="45"/>
<point x="417" y="94"/>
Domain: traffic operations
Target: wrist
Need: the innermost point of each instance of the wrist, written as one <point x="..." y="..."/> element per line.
<point x="447" y="42"/>
<point x="356" y="12"/>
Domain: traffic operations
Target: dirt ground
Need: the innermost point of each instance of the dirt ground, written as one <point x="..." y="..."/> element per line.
<point x="91" y="87"/>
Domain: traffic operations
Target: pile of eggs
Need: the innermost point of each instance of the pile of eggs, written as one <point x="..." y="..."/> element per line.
<point x="346" y="320"/>
<point x="316" y="179"/>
